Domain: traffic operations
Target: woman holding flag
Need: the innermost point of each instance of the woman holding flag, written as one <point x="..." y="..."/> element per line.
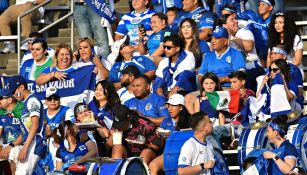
<point x="284" y="156"/>
<point x="280" y="89"/>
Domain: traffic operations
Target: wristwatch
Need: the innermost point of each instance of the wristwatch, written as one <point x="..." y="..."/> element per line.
<point x="12" y="145"/>
<point x="202" y="165"/>
<point x="276" y="158"/>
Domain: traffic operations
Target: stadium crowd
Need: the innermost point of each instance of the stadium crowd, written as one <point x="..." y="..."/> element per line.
<point x="170" y="65"/>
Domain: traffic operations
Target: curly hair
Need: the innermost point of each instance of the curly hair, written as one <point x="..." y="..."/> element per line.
<point x="290" y="30"/>
<point x="194" y="47"/>
<point x="110" y="93"/>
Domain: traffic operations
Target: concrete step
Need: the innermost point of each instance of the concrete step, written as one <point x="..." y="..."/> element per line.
<point x="54" y="45"/>
<point x="5" y="57"/>
<point x="9" y="71"/>
<point x="66" y="33"/>
<point x="12" y="64"/>
<point x="52" y="40"/>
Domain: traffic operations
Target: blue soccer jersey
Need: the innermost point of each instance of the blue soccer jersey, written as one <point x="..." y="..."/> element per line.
<point x="202" y="17"/>
<point x="62" y="155"/>
<point x="102" y="114"/>
<point x="222" y="65"/>
<point x="156" y="39"/>
<point x="31" y="70"/>
<point x="169" y="124"/>
<point x="10" y="126"/>
<point x="129" y="24"/>
<point x="285" y="150"/>
<point x="64" y="114"/>
<point x="33" y="107"/>
<point x="143" y="63"/>
<point x="152" y="106"/>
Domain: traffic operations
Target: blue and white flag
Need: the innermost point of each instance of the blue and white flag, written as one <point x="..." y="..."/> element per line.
<point x="103" y="9"/>
<point x="77" y="87"/>
<point x="270" y="102"/>
<point x="181" y="74"/>
<point x="260" y="167"/>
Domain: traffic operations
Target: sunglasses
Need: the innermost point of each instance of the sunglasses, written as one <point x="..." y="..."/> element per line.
<point x="168" y="47"/>
<point x="31" y="40"/>
<point x="2" y="97"/>
<point x="55" y="98"/>
<point x="274" y="70"/>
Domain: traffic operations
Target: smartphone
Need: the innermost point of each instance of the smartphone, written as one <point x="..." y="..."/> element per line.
<point x="142" y="29"/>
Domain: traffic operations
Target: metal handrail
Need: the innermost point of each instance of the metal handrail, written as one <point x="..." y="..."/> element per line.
<point x="45" y="28"/>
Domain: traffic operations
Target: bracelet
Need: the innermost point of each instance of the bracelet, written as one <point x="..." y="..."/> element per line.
<point x="276" y="158"/>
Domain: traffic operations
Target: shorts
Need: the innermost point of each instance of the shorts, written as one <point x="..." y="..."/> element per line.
<point x="27" y="167"/>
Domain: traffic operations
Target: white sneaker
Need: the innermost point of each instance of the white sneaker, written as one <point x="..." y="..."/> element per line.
<point x="8" y="48"/>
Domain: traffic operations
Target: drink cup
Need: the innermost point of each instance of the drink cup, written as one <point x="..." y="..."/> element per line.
<point x="117" y="138"/>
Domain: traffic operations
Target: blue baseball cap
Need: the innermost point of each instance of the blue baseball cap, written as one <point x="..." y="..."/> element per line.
<point x="220" y="32"/>
<point x="14" y="82"/>
<point x="5" y="93"/>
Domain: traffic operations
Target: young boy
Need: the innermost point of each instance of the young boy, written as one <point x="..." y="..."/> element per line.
<point x="32" y="127"/>
<point x="171" y="16"/>
<point x="196" y="155"/>
<point x="237" y="82"/>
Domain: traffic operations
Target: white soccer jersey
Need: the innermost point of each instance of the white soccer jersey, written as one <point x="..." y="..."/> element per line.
<point x="194" y="152"/>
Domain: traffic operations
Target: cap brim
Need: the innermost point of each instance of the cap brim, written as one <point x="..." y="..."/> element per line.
<point x="56" y="95"/>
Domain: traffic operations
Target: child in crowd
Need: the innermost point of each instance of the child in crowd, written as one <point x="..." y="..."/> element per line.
<point x="171" y="16"/>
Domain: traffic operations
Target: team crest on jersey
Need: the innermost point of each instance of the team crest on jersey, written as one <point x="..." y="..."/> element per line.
<point x="148" y="106"/>
<point x="196" y="17"/>
<point x="136" y="20"/>
<point x="228" y="59"/>
<point x="34" y="107"/>
<point x="184" y="159"/>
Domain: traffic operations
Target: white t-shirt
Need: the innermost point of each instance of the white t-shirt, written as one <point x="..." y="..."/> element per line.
<point x="246" y="34"/>
<point x="298" y="44"/>
<point x="194" y="152"/>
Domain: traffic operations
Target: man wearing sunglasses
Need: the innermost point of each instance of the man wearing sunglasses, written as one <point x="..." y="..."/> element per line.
<point x="32" y="126"/>
<point x="176" y="72"/>
<point x="10" y="127"/>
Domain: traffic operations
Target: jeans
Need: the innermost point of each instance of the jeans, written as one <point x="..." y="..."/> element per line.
<point x="88" y="25"/>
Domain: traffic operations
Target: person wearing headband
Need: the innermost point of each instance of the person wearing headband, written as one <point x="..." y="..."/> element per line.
<point x="265" y="10"/>
<point x="284" y="156"/>
<point x="277" y="53"/>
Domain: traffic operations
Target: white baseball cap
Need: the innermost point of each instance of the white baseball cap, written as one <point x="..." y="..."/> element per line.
<point x="51" y="91"/>
<point x="176" y="99"/>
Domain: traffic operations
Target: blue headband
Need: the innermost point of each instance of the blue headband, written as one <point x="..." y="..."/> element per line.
<point x="278" y="50"/>
<point x="275" y="127"/>
<point x="266" y="1"/>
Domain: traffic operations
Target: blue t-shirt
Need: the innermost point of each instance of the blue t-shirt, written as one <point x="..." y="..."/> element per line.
<point x="202" y="17"/>
<point x="265" y="22"/>
<point x="64" y="114"/>
<point x="222" y="65"/>
<point x="152" y="106"/>
<point x="156" y="39"/>
<point x="130" y="22"/>
<point x="102" y="114"/>
<point x="33" y="107"/>
<point x="168" y="124"/>
<point x="285" y="149"/>
<point x="66" y="156"/>
<point x="143" y="63"/>
<point x="10" y="128"/>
